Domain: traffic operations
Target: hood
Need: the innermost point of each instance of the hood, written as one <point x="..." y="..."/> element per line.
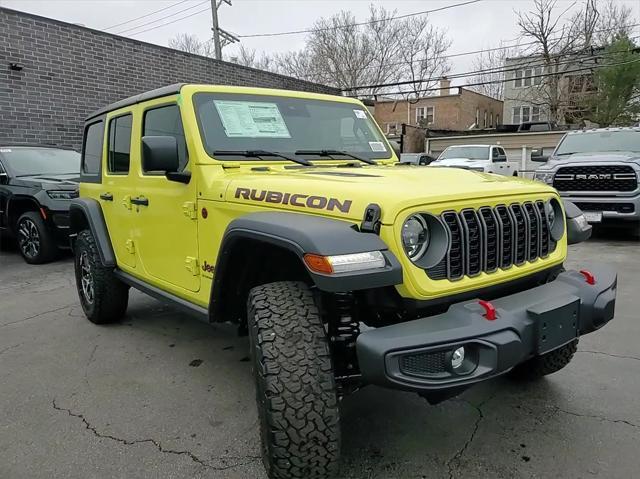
<point x="593" y="157"/>
<point x="48" y="182"/>
<point x="461" y="162"/>
<point x="346" y="192"/>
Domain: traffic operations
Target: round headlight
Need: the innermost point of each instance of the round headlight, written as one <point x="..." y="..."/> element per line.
<point x="551" y="214"/>
<point x="555" y="217"/>
<point x="415" y="236"/>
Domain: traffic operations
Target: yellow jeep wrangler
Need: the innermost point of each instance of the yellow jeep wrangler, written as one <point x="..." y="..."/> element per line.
<point x="289" y="214"/>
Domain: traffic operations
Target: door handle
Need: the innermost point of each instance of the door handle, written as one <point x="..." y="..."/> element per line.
<point x="106" y="197"/>
<point x="140" y="201"/>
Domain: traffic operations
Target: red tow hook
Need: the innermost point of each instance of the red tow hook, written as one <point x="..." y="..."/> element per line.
<point x="489" y="310"/>
<point x="588" y="276"/>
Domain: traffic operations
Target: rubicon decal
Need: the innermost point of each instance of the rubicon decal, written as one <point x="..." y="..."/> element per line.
<point x="295" y="199"/>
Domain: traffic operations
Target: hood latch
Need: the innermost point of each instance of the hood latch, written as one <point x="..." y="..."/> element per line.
<point x="371" y="220"/>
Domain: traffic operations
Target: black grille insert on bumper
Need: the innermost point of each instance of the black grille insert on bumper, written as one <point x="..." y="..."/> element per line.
<point x="423" y="364"/>
<point x="489" y="238"/>
<point x="596" y="178"/>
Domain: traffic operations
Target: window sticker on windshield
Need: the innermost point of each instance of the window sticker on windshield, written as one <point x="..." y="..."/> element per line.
<point x="360" y="114"/>
<point x="5" y="150"/>
<point x="250" y="119"/>
<point x="377" y="146"/>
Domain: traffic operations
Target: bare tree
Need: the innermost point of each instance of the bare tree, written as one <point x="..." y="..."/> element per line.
<point x="553" y="39"/>
<point x="614" y="22"/>
<point x="422" y="54"/>
<point x="490" y="77"/>
<point x="343" y="53"/>
<point x="250" y="58"/>
<point x="191" y="44"/>
<point x="564" y="45"/>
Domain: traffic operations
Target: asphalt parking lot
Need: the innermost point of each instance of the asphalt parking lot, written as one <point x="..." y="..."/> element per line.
<point x="162" y="395"/>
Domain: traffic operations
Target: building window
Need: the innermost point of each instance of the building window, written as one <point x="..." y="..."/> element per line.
<point x="491" y="120"/>
<point x="477" y="124"/>
<point x="392" y="128"/>
<point x="524" y="77"/>
<point x="498" y="119"/>
<point x="484" y="121"/>
<point x="524" y="114"/>
<point x="430" y="115"/>
<point x="425" y="114"/>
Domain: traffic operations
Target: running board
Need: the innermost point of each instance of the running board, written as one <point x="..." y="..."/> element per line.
<point x="198" y="311"/>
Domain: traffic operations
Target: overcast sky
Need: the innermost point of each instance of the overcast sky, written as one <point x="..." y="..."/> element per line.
<point x="470" y="27"/>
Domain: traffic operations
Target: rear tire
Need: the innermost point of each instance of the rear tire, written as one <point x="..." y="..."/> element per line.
<point x="35" y="241"/>
<point x="295" y="385"/>
<point x="548" y="363"/>
<point x="103" y="297"/>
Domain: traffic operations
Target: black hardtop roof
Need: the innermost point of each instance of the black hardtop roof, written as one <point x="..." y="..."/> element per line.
<point x="132" y="100"/>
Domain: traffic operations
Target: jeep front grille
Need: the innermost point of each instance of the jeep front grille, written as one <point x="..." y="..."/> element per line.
<point x="596" y="178"/>
<point x="492" y="238"/>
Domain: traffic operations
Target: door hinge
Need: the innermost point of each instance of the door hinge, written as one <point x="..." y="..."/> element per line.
<point x="130" y="246"/>
<point x="191" y="264"/>
<point x="189" y="209"/>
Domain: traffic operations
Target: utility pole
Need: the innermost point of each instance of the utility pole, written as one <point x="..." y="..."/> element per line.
<point x="218" y="32"/>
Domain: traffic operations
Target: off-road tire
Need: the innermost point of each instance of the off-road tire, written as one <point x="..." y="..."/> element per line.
<point x="31" y="223"/>
<point x="295" y="385"/>
<point x="110" y="295"/>
<point x="545" y="364"/>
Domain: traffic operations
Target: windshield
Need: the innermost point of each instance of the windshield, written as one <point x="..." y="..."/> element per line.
<point x="600" y="141"/>
<point x="470" y="152"/>
<point x="22" y="161"/>
<point x="233" y="122"/>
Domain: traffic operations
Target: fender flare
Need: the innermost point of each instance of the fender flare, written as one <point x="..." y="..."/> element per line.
<point x="301" y="234"/>
<point x="87" y="212"/>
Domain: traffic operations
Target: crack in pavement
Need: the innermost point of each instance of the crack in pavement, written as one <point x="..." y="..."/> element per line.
<point x="595" y="416"/>
<point x="37" y="315"/>
<point x="156" y="444"/>
<point x="460" y="452"/>
<point x="619" y="356"/>
<point x="2" y="351"/>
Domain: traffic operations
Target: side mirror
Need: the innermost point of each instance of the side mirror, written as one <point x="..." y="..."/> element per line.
<point x="160" y="153"/>
<point x="578" y="229"/>
<point x="539" y="159"/>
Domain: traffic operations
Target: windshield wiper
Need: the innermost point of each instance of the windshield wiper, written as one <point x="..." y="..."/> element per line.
<point x="260" y="154"/>
<point x="332" y="153"/>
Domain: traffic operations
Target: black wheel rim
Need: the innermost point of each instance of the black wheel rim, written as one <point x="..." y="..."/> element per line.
<point x="86" y="279"/>
<point x="28" y="238"/>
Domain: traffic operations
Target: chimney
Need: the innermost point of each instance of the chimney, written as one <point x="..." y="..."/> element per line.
<point x="445" y="85"/>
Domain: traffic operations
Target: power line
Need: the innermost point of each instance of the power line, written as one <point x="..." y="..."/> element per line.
<point x="502" y="80"/>
<point x="147" y="15"/>
<point x="161" y="18"/>
<point x="576" y="57"/>
<point x="172" y="21"/>
<point x="310" y="30"/>
<point x="474" y="52"/>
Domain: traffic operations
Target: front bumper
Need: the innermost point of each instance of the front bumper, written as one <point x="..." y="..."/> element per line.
<point x="416" y="355"/>
<point x="616" y="208"/>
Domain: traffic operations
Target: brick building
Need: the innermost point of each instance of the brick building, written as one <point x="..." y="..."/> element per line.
<point x="52" y="74"/>
<point x="453" y="109"/>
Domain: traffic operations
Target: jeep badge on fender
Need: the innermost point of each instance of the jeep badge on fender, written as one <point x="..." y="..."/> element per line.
<point x="316" y="242"/>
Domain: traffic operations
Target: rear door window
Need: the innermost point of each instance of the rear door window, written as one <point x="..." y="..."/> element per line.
<point x="119" y="154"/>
<point x="92" y="148"/>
